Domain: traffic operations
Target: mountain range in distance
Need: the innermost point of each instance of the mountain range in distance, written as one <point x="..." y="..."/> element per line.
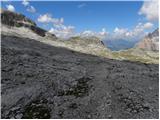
<point x="119" y="44"/>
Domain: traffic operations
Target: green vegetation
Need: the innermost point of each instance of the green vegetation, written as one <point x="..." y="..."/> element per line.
<point x="36" y="110"/>
<point x="17" y="25"/>
<point x="144" y="56"/>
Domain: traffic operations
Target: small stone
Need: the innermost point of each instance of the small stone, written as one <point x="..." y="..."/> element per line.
<point x="146" y="105"/>
<point x="12" y="118"/>
<point x="89" y="116"/>
<point x="134" y="111"/>
<point x="109" y="116"/>
<point x="45" y="114"/>
<point x="129" y="109"/>
<point x="18" y="116"/>
<point x="15" y="108"/>
<point x="150" y="110"/>
<point x="108" y="102"/>
<point x="141" y="109"/>
<point x="22" y="82"/>
<point x="150" y="88"/>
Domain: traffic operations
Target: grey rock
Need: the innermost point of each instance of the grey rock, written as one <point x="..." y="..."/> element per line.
<point x="56" y="87"/>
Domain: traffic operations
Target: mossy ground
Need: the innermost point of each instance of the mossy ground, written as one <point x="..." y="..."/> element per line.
<point x="36" y="110"/>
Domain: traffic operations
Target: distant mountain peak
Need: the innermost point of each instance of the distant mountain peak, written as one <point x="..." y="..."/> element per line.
<point x="150" y="42"/>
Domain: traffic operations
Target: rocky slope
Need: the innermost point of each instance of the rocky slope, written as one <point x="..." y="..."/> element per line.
<point x="150" y="42"/>
<point x="46" y="81"/>
<point x="12" y="19"/>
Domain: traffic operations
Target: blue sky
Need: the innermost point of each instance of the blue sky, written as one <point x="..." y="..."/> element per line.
<point x="93" y="15"/>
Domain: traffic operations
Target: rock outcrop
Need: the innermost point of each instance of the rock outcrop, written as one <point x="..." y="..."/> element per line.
<point x="13" y="19"/>
<point x="85" y="41"/>
<point x="150" y="42"/>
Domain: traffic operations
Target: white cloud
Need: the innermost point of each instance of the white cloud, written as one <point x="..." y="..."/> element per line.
<point x="88" y="33"/>
<point x="150" y="10"/>
<point x="103" y="32"/>
<point x="58" y="28"/>
<point x="25" y="2"/>
<point x="31" y="9"/>
<point x="64" y="32"/>
<point x="10" y="7"/>
<point x="136" y="33"/>
<point x="120" y="30"/>
<point x="47" y="18"/>
<point x="148" y="25"/>
<point x="82" y="5"/>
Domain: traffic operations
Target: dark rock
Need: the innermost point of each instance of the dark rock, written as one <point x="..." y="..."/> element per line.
<point x="18" y="20"/>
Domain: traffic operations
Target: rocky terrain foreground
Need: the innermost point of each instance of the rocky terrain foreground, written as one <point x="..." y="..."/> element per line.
<point x="46" y="81"/>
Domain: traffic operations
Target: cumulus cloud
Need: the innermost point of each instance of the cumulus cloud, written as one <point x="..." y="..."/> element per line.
<point x="150" y="10"/>
<point x="103" y="32"/>
<point x="64" y="32"/>
<point x="10" y="7"/>
<point x="88" y="33"/>
<point x="31" y="9"/>
<point x="58" y="28"/>
<point x="25" y="3"/>
<point x="47" y="18"/>
<point x="148" y="25"/>
<point x="136" y="33"/>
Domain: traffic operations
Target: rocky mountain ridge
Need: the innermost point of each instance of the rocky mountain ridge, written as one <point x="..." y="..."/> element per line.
<point x="150" y="42"/>
<point x="12" y="19"/>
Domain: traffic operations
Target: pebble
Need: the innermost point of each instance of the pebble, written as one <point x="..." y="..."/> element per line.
<point x="18" y="116"/>
<point x="146" y="105"/>
<point x="89" y="116"/>
<point x="108" y="102"/>
<point x="15" y="108"/>
<point x="129" y="109"/>
<point x="109" y="116"/>
<point x="134" y="111"/>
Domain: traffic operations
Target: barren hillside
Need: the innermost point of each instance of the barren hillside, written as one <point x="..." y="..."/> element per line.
<point x="44" y="81"/>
